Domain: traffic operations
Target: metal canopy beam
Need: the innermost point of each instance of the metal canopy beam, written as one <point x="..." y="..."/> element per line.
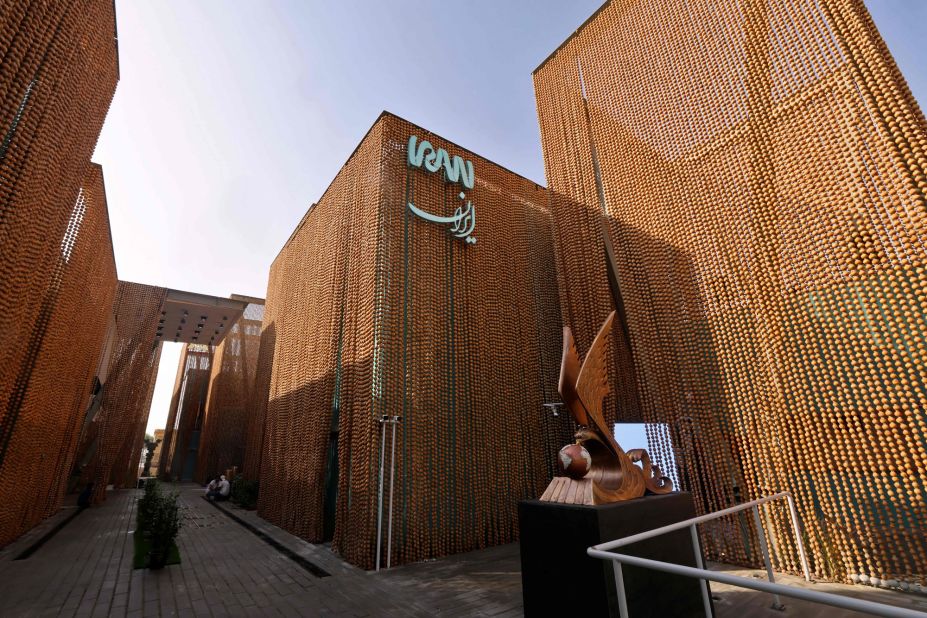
<point x="188" y="317"/>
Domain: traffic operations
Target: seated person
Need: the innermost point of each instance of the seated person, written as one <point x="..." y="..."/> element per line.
<point x="222" y="490"/>
<point x="83" y="500"/>
<point x="211" y="488"/>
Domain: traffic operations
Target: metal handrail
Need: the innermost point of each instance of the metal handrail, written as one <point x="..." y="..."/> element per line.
<point x="868" y="607"/>
<point x="702" y="574"/>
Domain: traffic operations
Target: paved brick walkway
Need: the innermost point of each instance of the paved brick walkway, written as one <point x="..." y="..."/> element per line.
<point x="83" y="569"/>
<point x="86" y="570"/>
<point x="226" y="570"/>
<point x="736" y="602"/>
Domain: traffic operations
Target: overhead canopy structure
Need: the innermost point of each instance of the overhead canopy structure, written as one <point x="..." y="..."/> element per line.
<point x="188" y="317"/>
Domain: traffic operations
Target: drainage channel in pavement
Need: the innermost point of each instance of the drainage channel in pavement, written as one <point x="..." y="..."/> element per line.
<point x="305" y="564"/>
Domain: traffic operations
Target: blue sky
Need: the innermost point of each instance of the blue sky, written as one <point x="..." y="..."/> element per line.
<point x="232" y="116"/>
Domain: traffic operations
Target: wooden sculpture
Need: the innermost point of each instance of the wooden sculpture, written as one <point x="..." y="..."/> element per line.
<point x="597" y="470"/>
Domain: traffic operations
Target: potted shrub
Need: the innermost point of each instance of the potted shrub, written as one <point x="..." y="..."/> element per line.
<point x="244" y="493"/>
<point x="161" y="528"/>
<point x="146" y="504"/>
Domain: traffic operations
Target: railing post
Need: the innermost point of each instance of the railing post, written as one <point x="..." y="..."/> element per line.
<point x="380" y="500"/>
<point x="777" y="603"/>
<point x="619" y="588"/>
<point x="697" y="548"/>
<point x="392" y="470"/>
<point x="793" y="513"/>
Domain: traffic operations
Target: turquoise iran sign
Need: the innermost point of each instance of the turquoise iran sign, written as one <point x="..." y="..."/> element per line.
<point x="456" y="170"/>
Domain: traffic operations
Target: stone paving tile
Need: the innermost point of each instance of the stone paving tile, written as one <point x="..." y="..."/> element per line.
<point x="738" y="602"/>
<point x="86" y="570"/>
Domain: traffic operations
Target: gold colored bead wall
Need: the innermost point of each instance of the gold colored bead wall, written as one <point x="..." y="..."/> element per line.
<point x="256" y="411"/>
<point x="373" y="311"/>
<point x="58" y="72"/>
<point x="231" y="385"/>
<point x="112" y="441"/>
<point x="308" y="296"/>
<point x="40" y="455"/>
<point x="759" y="169"/>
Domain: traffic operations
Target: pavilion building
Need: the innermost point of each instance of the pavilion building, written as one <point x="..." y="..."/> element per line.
<point x="744" y="183"/>
<point x="420" y="288"/>
<point x="58" y="71"/>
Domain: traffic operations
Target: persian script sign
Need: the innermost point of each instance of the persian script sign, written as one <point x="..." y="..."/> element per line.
<point x="423" y="154"/>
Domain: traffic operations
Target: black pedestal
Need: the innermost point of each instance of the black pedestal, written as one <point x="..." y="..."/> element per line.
<point x="559" y="578"/>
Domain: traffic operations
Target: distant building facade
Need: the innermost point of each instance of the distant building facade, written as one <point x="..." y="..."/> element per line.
<point x="156" y="455"/>
<point x="185" y="418"/>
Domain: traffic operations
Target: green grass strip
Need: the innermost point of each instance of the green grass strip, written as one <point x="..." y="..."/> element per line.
<point x="143" y="546"/>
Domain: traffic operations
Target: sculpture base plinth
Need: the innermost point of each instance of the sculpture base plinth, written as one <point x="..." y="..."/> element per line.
<point x="559" y="578"/>
<point x="565" y="490"/>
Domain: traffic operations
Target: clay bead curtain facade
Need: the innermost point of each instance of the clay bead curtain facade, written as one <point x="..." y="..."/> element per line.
<point x="468" y="350"/>
<point x="759" y="169"/>
<point x="257" y="401"/>
<point x="57" y="76"/>
<point x="78" y="304"/>
<point x="308" y="296"/>
<point x="114" y="436"/>
<point x="231" y="389"/>
<point x="58" y="72"/>
<point x="375" y="311"/>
